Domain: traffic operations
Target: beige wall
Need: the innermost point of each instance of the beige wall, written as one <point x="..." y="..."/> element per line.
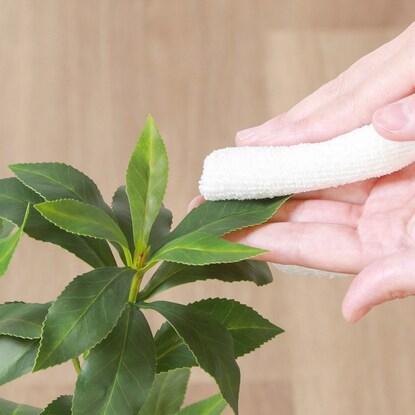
<point x="77" y="79"/>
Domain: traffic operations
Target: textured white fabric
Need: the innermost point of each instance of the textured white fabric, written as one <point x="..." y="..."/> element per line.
<point x="263" y="172"/>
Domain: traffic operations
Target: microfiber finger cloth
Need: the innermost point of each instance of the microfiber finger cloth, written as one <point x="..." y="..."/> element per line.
<point x="265" y="172"/>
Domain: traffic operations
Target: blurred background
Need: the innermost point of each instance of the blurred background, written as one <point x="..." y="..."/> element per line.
<point x="77" y="79"/>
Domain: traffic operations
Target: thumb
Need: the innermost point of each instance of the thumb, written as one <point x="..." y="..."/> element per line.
<point x="387" y="279"/>
<point x="396" y="121"/>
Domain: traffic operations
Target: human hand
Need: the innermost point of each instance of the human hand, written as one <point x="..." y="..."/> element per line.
<point x="367" y="227"/>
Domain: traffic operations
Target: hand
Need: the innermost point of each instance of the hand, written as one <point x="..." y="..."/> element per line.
<point x="367" y="227"/>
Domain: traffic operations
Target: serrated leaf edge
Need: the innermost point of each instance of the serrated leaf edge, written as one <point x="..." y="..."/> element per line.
<point x="19" y="232"/>
<point x="259" y="252"/>
<point x="283" y="200"/>
<point x="234" y="301"/>
<point x="24" y="337"/>
<point x="76" y="233"/>
<point x="51" y="403"/>
<point x="54" y="163"/>
<point x="252" y="309"/>
<point x="198" y="364"/>
<point x="147" y="297"/>
<point x="53" y="302"/>
<point x="149" y="118"/>
<point x="172" y="370"/>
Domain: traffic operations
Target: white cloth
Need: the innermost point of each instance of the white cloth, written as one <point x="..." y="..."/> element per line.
<point x="265" y="172"/>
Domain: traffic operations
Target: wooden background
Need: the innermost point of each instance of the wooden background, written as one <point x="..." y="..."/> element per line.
<point x="77" y="79"/>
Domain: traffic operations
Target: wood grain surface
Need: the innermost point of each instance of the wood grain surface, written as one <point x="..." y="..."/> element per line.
<point x="77" y="79"/>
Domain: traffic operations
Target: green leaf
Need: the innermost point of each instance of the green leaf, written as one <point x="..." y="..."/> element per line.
<point x="146" y="182"/>
<point x="161" y="226"/>
<point x="248" y="329"/>
<point x="13" y="408"/>
<point x="172" y="351"/>
<point x="54" y="181"/>
<point x="85" y="312"/>
<point x="22" y="320"/>
<point x="167" y="394"/>
<point x="214" y="405"/>
<point x="17" y="357"/>
<point x="14" y="198"/>
<point x="200" y="248"/>
<point x="210" y="343"/>
<point x="221" y="217"/>
<point x="122" y="214"/>
<point x="9" y="244"/>
<point x="171" y="274"/>
<point x="6" y="228"/>
<point x="82" y="219"/>
<point x="118" y="374"/>
<point x="60" y="406"/>
<point x="161" y="229"/>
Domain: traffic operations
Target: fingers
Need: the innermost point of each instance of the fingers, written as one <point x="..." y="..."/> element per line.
<point x="351" y="193"/>
<point x="381" y="78"/>
<point x="322" y="246"/>
<point x="387" y="279"/>
<point x="195" y="203"/>
<point x="397" y="121"/>
<point x="349" y="79"/>
<point x="319" y="211"/>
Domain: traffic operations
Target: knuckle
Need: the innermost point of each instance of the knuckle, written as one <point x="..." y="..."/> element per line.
<point x="338" y="86"/>
<point x="349" y="104"/>
<point x="398" y="295"/>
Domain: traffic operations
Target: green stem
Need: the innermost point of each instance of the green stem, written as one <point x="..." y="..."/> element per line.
<point x="76" y="365"/>
<point x="135" y="286"/>
<point x="128" y="257"/>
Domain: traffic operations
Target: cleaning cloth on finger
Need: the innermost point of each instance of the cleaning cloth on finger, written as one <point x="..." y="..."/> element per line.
<point x="265" y="172"/>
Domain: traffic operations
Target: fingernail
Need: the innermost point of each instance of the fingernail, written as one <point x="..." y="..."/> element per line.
<point x="246" y="134"/>
<point x="394" y="117"/>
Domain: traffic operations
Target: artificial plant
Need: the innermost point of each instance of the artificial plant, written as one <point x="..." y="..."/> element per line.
<point x="99" y="321"/>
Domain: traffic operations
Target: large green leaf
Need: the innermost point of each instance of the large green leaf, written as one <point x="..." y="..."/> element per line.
<point x="167" y="394"/>
<point x="248" y="329"/>
<point x="13" y="408"/>
<point x="54" y="181"/>
<point x="214" y="405"/>
<point x="85" y="312"/>
<point x="118" y="374"/>
<point x="146" y="182"/>
<point x="171" y="274"/>
<point x="22" y="319"/>
<point x="9" y="244"/>
<point x="221" y="217"/>
<point x="82" y="219"/>
<point x="17" y="357"/>
<point x="200" y="248"/>
<point x="60" y="406"/>
<point x="210" y="343"/>
<point x="14" y="198"/>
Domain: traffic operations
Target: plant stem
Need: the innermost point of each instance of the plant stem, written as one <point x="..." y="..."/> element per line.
<point x="135" y="286"/>
<point x="128" y="257"/>
<point x="76" y="365"/>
